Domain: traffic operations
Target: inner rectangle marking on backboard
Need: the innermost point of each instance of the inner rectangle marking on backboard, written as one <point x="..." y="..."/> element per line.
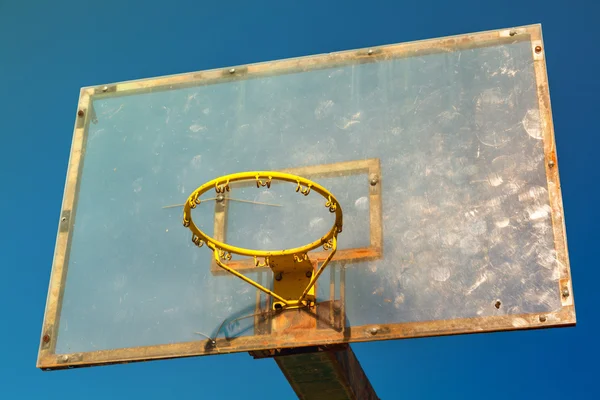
<point x="370" y="168"/>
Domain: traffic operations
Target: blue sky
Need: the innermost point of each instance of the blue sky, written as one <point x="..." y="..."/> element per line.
<point x="48" y="50"/>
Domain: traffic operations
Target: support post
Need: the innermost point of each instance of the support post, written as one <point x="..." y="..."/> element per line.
<point x="315" y="373"/>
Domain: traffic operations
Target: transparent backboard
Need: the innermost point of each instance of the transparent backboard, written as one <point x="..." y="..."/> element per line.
<point x="441" y="154"/>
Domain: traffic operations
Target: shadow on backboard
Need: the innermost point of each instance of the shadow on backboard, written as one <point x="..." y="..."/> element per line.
<point x="326" y="315"/>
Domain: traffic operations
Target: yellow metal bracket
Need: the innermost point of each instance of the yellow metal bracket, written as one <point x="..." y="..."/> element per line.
<point x="295" y="278"/>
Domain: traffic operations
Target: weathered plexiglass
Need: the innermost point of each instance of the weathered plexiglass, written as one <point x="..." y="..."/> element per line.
<point x="440" y="152"/>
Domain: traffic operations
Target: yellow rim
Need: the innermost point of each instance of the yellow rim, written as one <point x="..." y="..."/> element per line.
<point x="262" y="178"/>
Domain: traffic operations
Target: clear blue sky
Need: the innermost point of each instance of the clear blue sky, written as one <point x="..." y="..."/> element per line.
<point x="49" y="49"/>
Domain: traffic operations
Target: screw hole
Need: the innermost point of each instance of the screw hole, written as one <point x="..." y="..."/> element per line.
<point x="278" y="306"/>
<point x="498" y="304"/>
<point x="278" y="276"/>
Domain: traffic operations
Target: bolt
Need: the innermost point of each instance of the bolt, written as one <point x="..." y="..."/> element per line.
<point x="105" y="89"/>
<point x="220" y="198"/>
<point x="551" y="163"/>
<point x="373" y="180"/>
<point x="65" y="358"/>
<point x="498" y="304"/>
<point x="370" y="52"/>
<point x="278" y="276"/>
<point x="46" y="338"/>
<point x="232" y="71"/>
<point x="308" y="274"/>
<point x="565" y="292"/>
<point x="374" y="330"/>
<point x="80" y="113"/>
<point x="542" y="318"/>
<point x="538" y="49"/>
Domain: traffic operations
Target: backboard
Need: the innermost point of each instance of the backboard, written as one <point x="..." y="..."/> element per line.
<point x="440" y="152"/>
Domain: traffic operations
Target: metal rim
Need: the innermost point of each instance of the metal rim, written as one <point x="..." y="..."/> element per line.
<point x="262" y="179"/>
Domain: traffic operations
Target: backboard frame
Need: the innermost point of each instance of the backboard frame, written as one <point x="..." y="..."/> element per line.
<point x="48" y="359"/>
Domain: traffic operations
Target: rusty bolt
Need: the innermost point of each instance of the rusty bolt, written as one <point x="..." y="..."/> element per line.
<point x="373" y="179"/>
<point x="308" y="274"/>
<point x="80" y="113"/>
<point x="551" y="163"/>
<point x="538" y="49"/>
<point x="498" y="304"/>
<point x="542" y="318"/>
<point x="565" y="292"/>
<point x="46" y="338"/>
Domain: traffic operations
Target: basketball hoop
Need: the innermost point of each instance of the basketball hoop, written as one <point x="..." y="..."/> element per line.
<point x="293" y="264"/>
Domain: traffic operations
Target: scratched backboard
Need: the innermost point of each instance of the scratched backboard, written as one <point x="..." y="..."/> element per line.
<point x="440" y="152"/>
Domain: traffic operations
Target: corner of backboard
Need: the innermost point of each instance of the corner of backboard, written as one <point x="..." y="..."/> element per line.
<point x="45" y="360"/>
<point x="565" y="317"/>
<point x="84" y="89"/>
<point x="571" y="318"/>
<point x="535" y="31"/>
<point x="85" y="108"/>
